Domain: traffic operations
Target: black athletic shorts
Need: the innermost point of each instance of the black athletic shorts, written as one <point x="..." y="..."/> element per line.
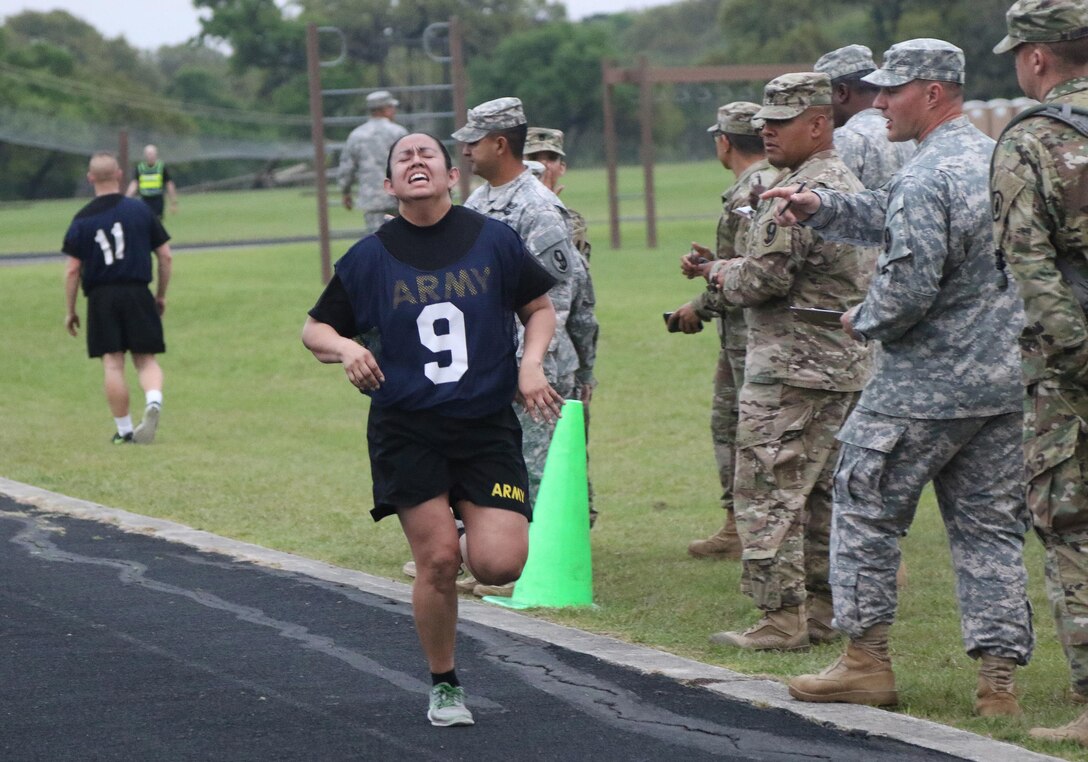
<point x="156" y="204"/>
<point x="123" y="317"/>
<point x="419" y="455"/>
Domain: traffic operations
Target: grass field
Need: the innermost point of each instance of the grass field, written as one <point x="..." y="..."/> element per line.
<point x="261" y="443"/>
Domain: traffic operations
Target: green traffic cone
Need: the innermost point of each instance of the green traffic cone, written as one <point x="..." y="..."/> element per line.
<point x="559" y="569"/>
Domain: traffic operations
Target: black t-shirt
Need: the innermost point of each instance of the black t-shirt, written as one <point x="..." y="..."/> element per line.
<point x="113" y="236"/>
<point x="426" y="248"/>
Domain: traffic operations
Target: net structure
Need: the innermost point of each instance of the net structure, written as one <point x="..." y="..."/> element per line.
<point x="67" y="134"/>
<point x="50" y="132"/>
<point x="414" y="65"/>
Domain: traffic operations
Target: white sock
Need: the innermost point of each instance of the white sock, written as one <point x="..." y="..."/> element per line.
<point x="124" y="425"/>
<point x="154" y="397"/>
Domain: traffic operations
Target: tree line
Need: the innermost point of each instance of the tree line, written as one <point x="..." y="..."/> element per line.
<point x="57" y="67"/>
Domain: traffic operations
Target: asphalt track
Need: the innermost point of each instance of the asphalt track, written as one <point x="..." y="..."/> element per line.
<point x="129" y="638"/>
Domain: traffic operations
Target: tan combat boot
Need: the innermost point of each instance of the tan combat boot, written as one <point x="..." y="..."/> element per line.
<point x="818" y="621"/>
<point x="1076" y="731"/>
<point x="862" y="675"/>
<point x="996" y="696"/>
<point x="781" y="630"/>
<point x="725" y="543"/>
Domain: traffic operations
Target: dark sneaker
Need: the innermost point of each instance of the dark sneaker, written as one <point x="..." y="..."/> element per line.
<point x="448" y="707"/>
<point x="122" y="438"/>
<point x="145" y="432"/>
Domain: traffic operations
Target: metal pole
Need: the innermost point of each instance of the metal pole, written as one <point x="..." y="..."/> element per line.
<point x="646" y="116"/>
<point x="317" y="136"/>
<point x="460" y="97"/>
<point x="610" y="155"/>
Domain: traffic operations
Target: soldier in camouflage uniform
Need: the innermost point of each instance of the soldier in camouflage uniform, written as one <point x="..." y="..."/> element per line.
<point x="861" y="134"/>
<point x="544" y="146"/>
<point x="944" y="401"/>
<point x="1040" y="205"/>
<point x="363" y="157"/>
<point x="494" y="138"/>
<point x="739" y="148"/>
<point x="801" y="378"/>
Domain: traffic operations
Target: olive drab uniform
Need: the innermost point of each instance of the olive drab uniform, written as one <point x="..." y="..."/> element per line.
<point x="738" y="202"/>
<point x="1040" y="210"/>
<point x="944" y="401"/>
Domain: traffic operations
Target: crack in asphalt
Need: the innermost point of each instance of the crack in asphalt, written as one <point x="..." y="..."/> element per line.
<point x="537" y="667"/>
<point x="533" y="662"/>
<point x="624" y="709"/>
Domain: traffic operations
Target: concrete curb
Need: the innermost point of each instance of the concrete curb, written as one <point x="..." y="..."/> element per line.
<point x="761" y="692"/>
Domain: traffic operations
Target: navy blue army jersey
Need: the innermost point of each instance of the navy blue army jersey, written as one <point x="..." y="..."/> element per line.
<point x="436" y="305"/>
<point x="113" y="236"/>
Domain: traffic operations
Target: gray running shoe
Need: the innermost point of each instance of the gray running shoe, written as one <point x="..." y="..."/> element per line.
<point x="145" y="432"/>
<point x="448" y="707"/>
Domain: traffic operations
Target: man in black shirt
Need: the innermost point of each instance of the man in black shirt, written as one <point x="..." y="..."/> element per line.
<point x="109" y="245"/>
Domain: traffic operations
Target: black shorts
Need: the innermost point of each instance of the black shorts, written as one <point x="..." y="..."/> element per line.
<point x="123" y="317"/>
<point x="156" y="204"/>
<point x="419" y="455"/>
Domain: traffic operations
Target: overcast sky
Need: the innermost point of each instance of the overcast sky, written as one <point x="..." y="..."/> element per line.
<point x="151" y="23"/>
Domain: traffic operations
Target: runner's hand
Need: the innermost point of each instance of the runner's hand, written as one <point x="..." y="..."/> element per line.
<point x="536" y="395"/>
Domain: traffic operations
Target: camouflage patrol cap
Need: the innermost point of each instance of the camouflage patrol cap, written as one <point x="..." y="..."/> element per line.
<point x="923" y="58"/>
<point x="844" y="61"/>
<point x="491" y="116"/>
<point x="789" y="95"/>
<point x="1044" y="21"/>
<point x="380" y="99"/>
<point x="736" y="118"/>
<point x="543" y="139"/>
